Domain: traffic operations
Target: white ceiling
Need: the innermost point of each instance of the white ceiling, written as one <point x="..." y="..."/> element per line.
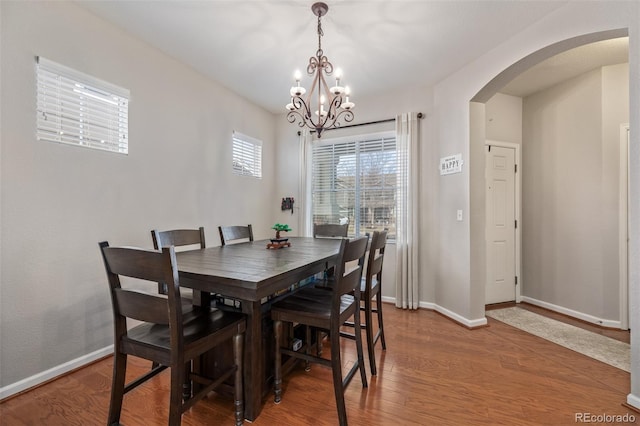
<point x="253" y="47"/>
<point x="569" y="64"/>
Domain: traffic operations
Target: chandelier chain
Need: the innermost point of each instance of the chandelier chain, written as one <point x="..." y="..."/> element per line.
<point x="320" y="32"/>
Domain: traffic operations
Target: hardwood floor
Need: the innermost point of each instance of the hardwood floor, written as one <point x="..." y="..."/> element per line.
<point x="434" y="372"/>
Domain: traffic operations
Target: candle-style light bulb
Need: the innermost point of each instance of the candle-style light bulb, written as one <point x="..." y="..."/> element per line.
<point x="338" y="76"/>
<point x="346" y="104"/>
<point x="321" y="112"/>
<point x="337" y="89"/>
<point x="297" y="90"/>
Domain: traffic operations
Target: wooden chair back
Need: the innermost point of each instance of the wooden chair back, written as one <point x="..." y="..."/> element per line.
<point x="152" y="308"/>
<point x="232" y="233"/>
<point x="177" y="238"/>
<point x="375" y="260"/>
<point x="330" y="230"/>
<point x="348" y="274"/>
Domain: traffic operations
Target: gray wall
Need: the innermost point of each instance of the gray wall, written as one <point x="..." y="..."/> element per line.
<point x="59" y="201"/>
<point x="570" y="192"/>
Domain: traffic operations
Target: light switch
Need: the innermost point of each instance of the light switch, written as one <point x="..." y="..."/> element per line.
<point x="459" y="215"/>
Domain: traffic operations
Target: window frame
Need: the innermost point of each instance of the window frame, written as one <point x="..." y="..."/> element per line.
<point x="246" y="155"/>
<point x="74" y="108"/>
<point x="359" y="142"/>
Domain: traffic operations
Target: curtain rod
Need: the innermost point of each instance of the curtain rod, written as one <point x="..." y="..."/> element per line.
<point x="420" y="115"/>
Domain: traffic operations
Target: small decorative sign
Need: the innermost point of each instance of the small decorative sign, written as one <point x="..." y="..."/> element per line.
<point x="451" y="164"/>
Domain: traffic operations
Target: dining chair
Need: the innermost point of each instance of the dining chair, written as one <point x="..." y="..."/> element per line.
<point x="181" y="239"/>
<point x="370" y="289"/>
<point x="163" y="336"/>
<point x="330" y="230"/>
<point x="177" y="238"/>
<point x="327" y="310"/>
<point x="233" y="233"/>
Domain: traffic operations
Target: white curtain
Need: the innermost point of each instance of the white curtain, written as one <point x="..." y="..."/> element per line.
<point x="407" y="212"/>
<point x="304" y="203"/>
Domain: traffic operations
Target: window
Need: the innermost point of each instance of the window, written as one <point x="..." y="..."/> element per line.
<point x="354" y="179"/>
<point x="247" y="156"/>
<point x="78" y="109"/>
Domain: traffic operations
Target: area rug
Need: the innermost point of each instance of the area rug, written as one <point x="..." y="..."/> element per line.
<point x="602" y="348"/>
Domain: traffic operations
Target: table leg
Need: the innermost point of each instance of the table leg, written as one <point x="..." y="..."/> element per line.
<point x="253" y="355"/>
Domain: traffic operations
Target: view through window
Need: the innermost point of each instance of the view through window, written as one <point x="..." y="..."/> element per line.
<point x="354" y="180"/>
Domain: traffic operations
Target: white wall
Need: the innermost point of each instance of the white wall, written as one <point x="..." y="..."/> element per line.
<point x="606" y="111"/>
<point x="570" y="192"/>
<point x="503" y="118"/>
<point x="58" y="202"/>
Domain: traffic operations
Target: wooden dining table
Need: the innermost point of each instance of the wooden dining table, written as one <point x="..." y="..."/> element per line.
<point x="252" y="274"/>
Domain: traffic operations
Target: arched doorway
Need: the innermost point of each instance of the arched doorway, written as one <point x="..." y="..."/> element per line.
<point x="479" y="134"/>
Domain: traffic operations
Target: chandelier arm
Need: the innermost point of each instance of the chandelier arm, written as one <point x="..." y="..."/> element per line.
<point x="301" y="110"/>
<point x="331" y="114"/>
<point x="346" y="114"/>
<point x="314" y="85"/>
<point x="335" y="106"/>
<point x="293" y="116"/>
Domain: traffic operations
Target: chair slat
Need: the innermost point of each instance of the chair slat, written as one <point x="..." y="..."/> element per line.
<point x="136" y="263"/>
<point x="142" y="306"/>
<point x="235" y="232"/>
<point x="178" y="237"/>
<point x="330" y="230"/>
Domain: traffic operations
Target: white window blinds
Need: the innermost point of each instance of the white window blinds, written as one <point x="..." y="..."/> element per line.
<point x="247" y="155"/>
<point x="78" y="109"/>
<point x="354" y="179"/>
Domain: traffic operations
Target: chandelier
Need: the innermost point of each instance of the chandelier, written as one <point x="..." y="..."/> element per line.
<point x="324" y="107"/>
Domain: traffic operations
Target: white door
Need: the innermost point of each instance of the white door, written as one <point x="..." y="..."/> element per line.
<point x="501" y="225"/>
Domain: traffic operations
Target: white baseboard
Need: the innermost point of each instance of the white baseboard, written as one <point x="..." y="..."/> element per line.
<point x="575" y="314"/>
<point x="54" y="372"/>
<point x="444" y="311"/>
<point x="460" y="319"/>
<point x="633" y="401"/>
<point x="387" y="299"/>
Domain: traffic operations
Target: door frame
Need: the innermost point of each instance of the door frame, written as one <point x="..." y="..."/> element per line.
<point x="623" y="227"/>
<point x="517" y="199"/>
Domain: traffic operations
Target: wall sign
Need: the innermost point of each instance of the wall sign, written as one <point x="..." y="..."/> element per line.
<point x="451" y="164"/>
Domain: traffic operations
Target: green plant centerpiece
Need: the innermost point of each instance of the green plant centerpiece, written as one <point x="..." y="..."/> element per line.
<point x="279" y="242"/>
<point x="280" y="227"/>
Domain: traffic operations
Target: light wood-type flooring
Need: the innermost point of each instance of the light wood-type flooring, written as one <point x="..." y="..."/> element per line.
<point x="434" y="372"/>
